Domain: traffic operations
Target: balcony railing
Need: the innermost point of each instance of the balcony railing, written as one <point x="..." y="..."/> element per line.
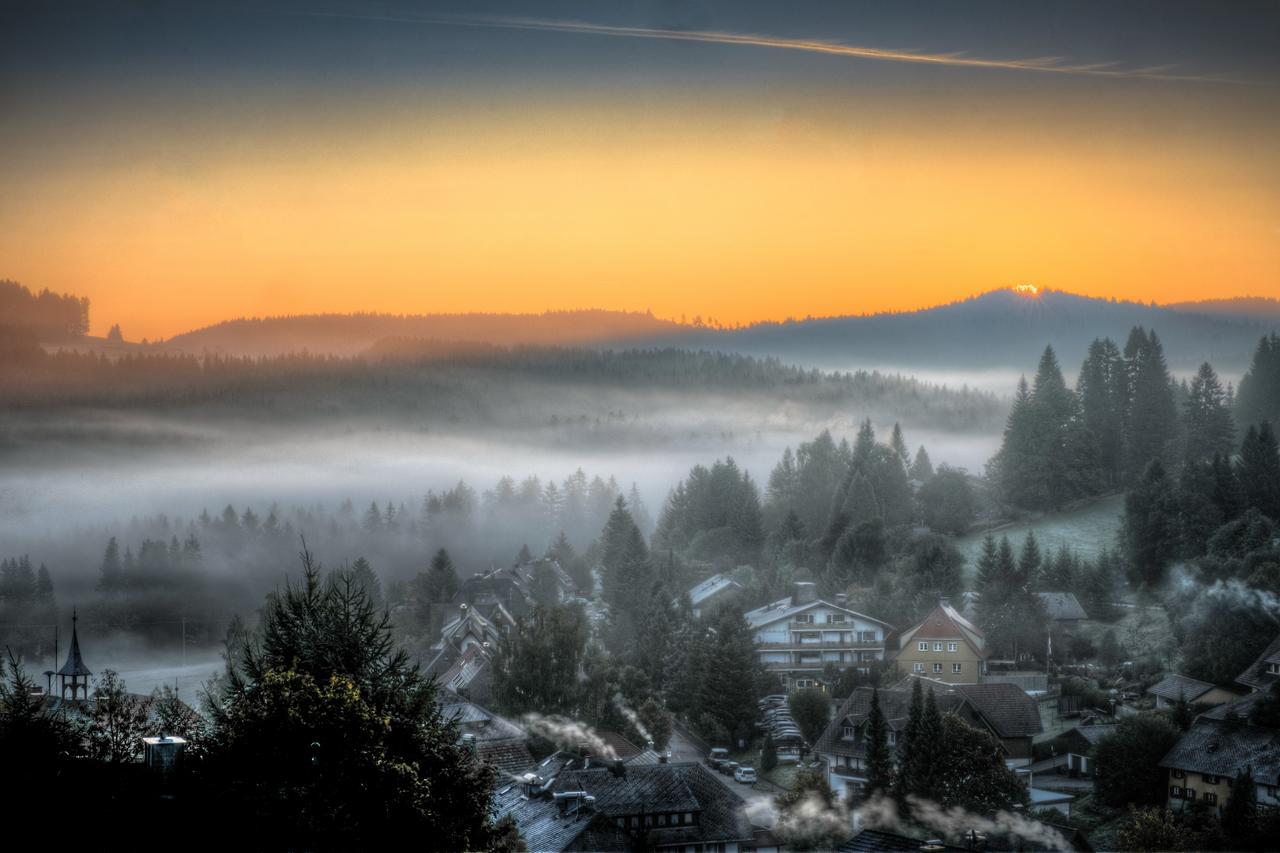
<point x="823" y="644"/>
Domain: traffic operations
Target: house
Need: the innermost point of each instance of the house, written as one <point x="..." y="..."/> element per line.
<point x="1265" y="669"/>
<point x="1062" y="607"/>
<point x="494" y="740"/>
<point x="1173" y="688"/>
<point x="799" y="636"/>
<point x="1005" y="710"/>
<point x="465" y="649"/>
<point x="1218" y="748"/>
<point x="1079" y="743"/>
<point x="711" y="592"/>
<point x="876" y="840"/>
<point x="584" y="804"/>
<point x="945" y="647"/>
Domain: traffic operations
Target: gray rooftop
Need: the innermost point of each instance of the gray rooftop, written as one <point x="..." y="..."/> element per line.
<point x="1174" y="687"/>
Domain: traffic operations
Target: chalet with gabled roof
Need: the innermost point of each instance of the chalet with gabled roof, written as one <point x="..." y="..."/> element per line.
<point x="945" y="646"/>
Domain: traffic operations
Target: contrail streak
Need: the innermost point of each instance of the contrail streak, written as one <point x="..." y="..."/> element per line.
<point x="1042" y="65"/>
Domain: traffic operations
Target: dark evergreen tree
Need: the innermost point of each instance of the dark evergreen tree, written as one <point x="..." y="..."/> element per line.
<point x="912" y="752"/>
<point x="1103" y="390"/>
<point x="922" y="468"/>
<point x="1259" y="397"/>
<point x="1152" y="421"/>
<point x="1206" y="418"/>
<point x="879" y="757"/>
<point x="1258" y="470"/>
<point x="1150" y="526"/>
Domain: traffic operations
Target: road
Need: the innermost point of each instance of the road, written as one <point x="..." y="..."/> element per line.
<point x="683" y="749"/>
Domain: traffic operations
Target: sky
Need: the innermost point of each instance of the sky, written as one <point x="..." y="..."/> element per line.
<point x="185" y="163"/>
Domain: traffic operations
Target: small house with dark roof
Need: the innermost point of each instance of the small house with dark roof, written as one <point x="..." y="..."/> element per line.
<point x="617" y="806"/>
<point x="1004" y="710"/>
<point x="1218" y="748"/>
<point x="1079" y="743"/>
<point x="1174" y="688"/>
<point x="945" y="646"/>
<point x="1062" y="607"/>
<point x="712" y="591"/>
<point x="495" y="739"/>
<point x="1265" y="669"/>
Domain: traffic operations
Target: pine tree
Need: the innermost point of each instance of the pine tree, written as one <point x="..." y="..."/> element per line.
<point x="111" y="577"/>
<point x="1258" y="398"/>
<point x="879" y="758"/>
<point x="440" y="582"/>
<point x="1103" y="391"/>
<point x="1153" y="414"/>
<point x="987" y="564"/>
<point x="1013" y="468"/>
<point x="899" y="446"/>
<point x="911" y="750"/>
<point x="1258" y="470"/>
<point x="1240" y="813"/>
<point x="922" y="468"/>
<point x="1150" y="526"/>
<point x="1206" y="417"/>
<point x="930" y="744"/>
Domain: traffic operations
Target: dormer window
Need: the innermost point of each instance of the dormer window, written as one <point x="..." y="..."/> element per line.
<point x="1273" y="668"/>
<point x="846" y="732"/>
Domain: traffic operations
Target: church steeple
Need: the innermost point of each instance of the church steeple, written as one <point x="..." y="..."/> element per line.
<point x="74" y="668"/>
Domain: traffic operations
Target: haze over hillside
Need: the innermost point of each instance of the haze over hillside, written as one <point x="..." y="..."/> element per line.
<point x="998" y="329"/>
<point x="347" y="334"/>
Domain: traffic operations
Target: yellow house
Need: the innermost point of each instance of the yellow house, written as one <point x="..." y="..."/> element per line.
<point x="1218" y="748"/>
<point x="945" y="647"/>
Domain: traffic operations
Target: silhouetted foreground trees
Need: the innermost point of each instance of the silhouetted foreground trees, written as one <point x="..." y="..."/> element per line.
<point x="322" y="735"/>
<point x="43" y="316"/>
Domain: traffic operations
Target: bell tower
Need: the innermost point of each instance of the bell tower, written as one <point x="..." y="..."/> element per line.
<point x="74" y="675"/>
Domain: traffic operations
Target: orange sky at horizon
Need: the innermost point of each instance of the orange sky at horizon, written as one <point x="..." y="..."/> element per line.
<point x="741" y="216"/>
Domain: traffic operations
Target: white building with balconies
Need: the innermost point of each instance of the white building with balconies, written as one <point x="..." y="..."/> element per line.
<point x="799" y="636"/>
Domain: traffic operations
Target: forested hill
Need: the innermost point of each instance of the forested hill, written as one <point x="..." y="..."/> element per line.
<point x="1255" y="308"/>
<point x="348" y="334"/>
<point x="997" y="329"/>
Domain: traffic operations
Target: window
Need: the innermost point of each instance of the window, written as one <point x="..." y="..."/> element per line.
<point x="1273" y="668"/>
<point x="1175" y="792"/>
<point x="893" y="737"/>
<point x="836" y="617"/>
<point x="951" y="647"/>
<point x="804" y="617"/>
<point x="937" y="647"/>
<point x="802" y="683"/>
<point x="1210" y="798"/>
<point x="688" y="817"/>
<point x="924" y="647"/>
<point x="1177" y="774"/>
<point x="846" y="732"/>
<point x="1190" y="793"/>
<point x="956" y="667"/>
<point x="662" y="820"/>
<point x="918" y="668"/>
<point x="866" y="636"/>
<point x="1209" y="778"/>
<point x="635" y="821"/>
<point x="937" y="667"/>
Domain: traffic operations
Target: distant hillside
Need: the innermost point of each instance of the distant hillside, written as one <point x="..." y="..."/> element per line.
<point x="348" y="334"/>
<point x="1242" y="307"/>
<point x="998" y="329"/>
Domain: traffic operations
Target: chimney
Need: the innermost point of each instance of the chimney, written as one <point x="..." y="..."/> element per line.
<point x="804" y="592"/>
<point x="618" y="768"/>
<point x="530" y="782"/>
<point x="842" y="599"/>
<point x="469" y="743"/>
<point x="664" y="757"/>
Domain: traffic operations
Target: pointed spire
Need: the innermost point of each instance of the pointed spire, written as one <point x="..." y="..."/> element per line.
<point x="75" y="664"/>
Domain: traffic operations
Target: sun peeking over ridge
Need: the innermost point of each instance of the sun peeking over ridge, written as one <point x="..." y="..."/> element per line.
<point x="1030" y="291"/>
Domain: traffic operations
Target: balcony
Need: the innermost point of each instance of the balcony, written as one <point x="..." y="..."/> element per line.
<point x="827" y="645"/>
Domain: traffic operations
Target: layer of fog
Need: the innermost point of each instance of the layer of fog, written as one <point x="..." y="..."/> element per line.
<point x="45" y="502"/>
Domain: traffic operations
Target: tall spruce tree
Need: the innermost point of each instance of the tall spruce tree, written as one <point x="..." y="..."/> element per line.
<point x="1258" y="399"/>
<point x="911" y="749"/>
<point x="1152" y="421"/>
<point x="1206" y="417"/>
<point x="1150" y="526"/>
<point x="1103" y="391"/>
<point x="1258" y="470"/>
<point x="879" y="757"/>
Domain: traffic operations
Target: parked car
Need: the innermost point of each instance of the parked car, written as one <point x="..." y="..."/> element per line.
<point x="745" y="775"/>
<point x="717" y="755"/>
<point x="728" y="768"/>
